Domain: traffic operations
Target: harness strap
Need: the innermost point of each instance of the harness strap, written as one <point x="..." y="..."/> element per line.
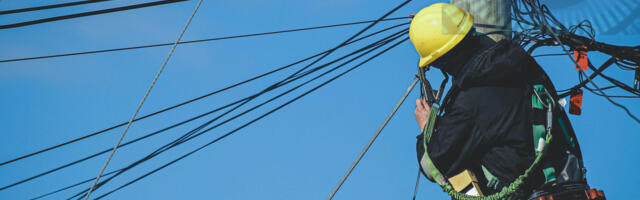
<point x="426" y="160"/>
<point x="429" y="167"/>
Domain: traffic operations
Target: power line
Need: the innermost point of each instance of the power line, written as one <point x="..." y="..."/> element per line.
<point x="317" y="60"/>
<point x="253" y="121"/>
<point x="72" y="186"/>
<point x="373" y="139"/>
<point x="166" y="60"/>
<point x="539" y="14"/>
<point x="122" y="145"/>
<point x="360" y="32"/>
<point x="75" y="3"/>
<point x="186" y="121"/>
<point x="613" y="102"/>
<point x="593" y="75"/>
<point x="189" y="135"/>
<point x="550" y="54"/>
<point x="193" y="41"/>
<point x="190" y="101"/>
<point x="84" y="14"/>
<point x="551" y="31"/>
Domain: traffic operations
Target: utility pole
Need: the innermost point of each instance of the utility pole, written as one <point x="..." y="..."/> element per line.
<point x="489" y="16"/>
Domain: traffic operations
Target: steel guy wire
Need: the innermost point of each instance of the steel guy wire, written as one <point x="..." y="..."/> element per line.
<point x="373" y="139"/>
<point x="166" y="60"/>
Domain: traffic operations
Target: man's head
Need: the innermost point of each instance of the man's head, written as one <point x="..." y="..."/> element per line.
<point x="436" y="30"/>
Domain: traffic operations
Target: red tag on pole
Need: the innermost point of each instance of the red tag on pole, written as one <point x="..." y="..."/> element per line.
<point x="580" y="56"/>
<point x="575" y="107"/>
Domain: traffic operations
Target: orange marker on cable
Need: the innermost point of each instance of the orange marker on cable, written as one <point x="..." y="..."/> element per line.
<point x="575" y="107"/>
<point x="580" y="56"/>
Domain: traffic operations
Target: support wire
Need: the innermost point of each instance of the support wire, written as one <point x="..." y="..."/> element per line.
<point x="373" y="138"/>
<point x="166" y="60"/>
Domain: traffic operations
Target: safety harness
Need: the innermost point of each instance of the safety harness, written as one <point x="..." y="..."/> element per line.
<point x="541" y="101"/>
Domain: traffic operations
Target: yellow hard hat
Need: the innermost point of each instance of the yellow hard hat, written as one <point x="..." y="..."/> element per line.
<point x="436" y="29"/>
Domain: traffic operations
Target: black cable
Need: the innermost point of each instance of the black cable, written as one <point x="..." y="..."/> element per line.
<point x="64" y="188"/>
<point x="191" y="100"/>
<point x="625" y="66"/>
<point x="593" y="75"/>
<point x="183" y="122"/>
<point x="181" y="140"/>
<point x="581" y="71"/>
<point x="568" y="37"/>
<point x="69" y="4"/>
<point x="109" y="149"/>
<point x="73" y="185"/>
<point x="343" y="43"/>
<point x="550" y="54"/>
<point x="193" y="41"/>
<point x="356" y="35"/>
<point x="614" y="103"/>
<point x="594" y="91"/>
<point x="618" y="83"/>
<point x="252" y="121"/>
<point x="84" y="14"/>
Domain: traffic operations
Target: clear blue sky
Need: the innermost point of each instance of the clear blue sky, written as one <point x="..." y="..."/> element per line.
<point x="299" y="152"/>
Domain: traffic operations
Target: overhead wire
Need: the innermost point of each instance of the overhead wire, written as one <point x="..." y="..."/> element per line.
<point x="193" y="118"/>
<point x="166" y="60"/>
<point x="552" y="33"/>
<point x="373" y="139"/>
<point x="255" y="95"/>
<point x="613" y="102"/>
<point x="357" y="34"/>
<point x="540" y="15"/>
<point x="198" y="98"/>
<point x="209" y="94"/>
<point x="550" y="54"/>
<point x="90" y="13"/>
<point x="593" y="75"/>
<point x="545" y="30"/>
<point x="194" y="41"/>
<point x="252" y="121"/>
<point x="73" y="185"/>
<point x="60" y="5"/>
<point x="192" y="134"/>
<point x="593" y="90"/>
<point x="317" y="60"/>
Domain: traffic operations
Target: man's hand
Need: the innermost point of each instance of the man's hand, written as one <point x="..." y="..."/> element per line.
<point x="422" y="113"/>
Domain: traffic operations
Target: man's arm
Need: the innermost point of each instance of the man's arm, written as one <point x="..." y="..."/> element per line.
<point x="422" y="113"/>
<point x="452" y="145"/>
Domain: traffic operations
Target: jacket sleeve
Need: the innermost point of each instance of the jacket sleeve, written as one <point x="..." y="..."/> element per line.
<point x="453" y="144"/>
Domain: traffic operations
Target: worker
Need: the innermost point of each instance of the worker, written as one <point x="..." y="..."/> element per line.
<point x="492" y="113"/>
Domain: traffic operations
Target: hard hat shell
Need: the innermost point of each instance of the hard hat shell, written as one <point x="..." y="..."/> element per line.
<point x="438" y="28"/>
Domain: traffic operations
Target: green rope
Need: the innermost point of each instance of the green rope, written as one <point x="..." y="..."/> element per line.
<point x="506" y="191"/>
